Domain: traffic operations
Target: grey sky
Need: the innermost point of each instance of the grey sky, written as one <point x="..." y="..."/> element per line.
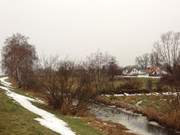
<point x="75" y="28"/>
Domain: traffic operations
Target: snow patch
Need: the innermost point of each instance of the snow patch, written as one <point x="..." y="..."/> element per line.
<point x="147" y="94"/>
<point x="139" y="102"/>
<point x="155" y="124"/>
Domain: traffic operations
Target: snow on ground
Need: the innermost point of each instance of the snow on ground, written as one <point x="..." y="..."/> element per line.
<point x="147" y="94"/>
<point x="46" y="119"/>
<point x="141" y="76"/>
<point x="138" y="103"/>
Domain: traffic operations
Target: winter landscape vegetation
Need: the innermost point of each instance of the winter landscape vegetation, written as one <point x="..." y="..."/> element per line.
<point x="94" y="95"/>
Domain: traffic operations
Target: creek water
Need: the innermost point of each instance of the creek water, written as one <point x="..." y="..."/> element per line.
<point x="136" y="123"/>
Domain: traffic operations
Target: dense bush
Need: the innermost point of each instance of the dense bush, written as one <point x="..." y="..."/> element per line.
<point x="131" y="84"/>
<point x="149" y="85"/>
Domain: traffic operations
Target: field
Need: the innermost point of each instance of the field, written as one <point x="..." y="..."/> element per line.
<point x="133" y="85"/>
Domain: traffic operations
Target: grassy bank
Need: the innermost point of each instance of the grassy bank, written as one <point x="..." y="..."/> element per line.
<point x="15" y="120"/>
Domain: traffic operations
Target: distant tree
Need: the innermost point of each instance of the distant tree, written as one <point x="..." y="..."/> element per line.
<point x="113" y="69"/>
<point x="154" y="59"/>
<point x="18" y="59"/>
<point x="168" y="48"/>
<point x="143" y="61"/>
<point x="97" y="64"/>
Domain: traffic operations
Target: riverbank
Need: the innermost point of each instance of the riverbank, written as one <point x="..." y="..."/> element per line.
<point x="155" y="108"/>
<point x="103" y="127"/>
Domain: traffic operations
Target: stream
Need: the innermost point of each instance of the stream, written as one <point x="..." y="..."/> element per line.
<point x="136" y="123"/>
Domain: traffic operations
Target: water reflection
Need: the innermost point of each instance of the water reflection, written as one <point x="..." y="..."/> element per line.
<point x="135" y="122"/>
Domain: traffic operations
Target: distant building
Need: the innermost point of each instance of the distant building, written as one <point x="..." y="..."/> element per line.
<point x="153" y="71"/>
<point x="149" y="71"/>
<point x="132" y="71"/>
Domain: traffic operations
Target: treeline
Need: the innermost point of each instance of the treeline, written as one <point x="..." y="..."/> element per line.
<point x="67" y="85"/>
<point x="165" y="52"/>
<point x="166" y="55"/>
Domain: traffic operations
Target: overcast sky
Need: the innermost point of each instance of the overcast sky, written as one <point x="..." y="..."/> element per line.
<point x="75" y="28"/>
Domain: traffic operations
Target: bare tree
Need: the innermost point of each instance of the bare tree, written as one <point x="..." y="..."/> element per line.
<point x="154" y="59"/>
<point x="97" y="67"/>
<point x="168" y="48"/>
<point x="143" y="61"/>
<point x="113" y="69"/>
<point x="18" y="59"/>
<point x="57" y="81"/>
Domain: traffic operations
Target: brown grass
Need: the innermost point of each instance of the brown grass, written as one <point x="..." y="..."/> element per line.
<point x="107" y="128"/>
<point x="172" y="119"/>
